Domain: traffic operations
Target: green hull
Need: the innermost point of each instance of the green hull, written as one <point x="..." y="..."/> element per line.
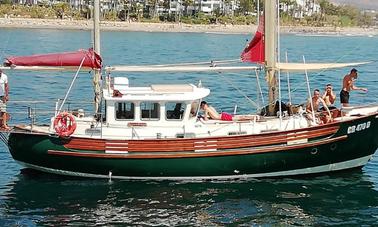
<point x="353" y="151"/>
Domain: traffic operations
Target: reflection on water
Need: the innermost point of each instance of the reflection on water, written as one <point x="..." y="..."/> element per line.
<point x="341" y="198"/>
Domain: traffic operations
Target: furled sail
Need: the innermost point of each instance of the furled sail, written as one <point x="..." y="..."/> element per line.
<point x="255" y="51"/>
<point x="173" y="69"/>
<point x="301" y="67"/>
<point x="65" y="59"/>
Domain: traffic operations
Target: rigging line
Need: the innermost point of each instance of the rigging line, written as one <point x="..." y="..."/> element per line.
<point x="311" y="79"/>
<point x="337" y="61"/>
<point x="240" y="74"/>
<point x="288" y="79"/>
<point x="349" y="53"/>
<point x="240" y="91"/>
<point x="71" y="85"/>
<point x="259" y="86"/>
<point x="309" y="93"/>
<point x="278" y="60"/>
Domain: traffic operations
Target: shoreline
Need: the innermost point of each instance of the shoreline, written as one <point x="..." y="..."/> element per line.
<point x="175" y="27"/>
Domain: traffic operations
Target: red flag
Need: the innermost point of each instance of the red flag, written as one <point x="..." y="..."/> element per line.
<point x="255" y="51"/>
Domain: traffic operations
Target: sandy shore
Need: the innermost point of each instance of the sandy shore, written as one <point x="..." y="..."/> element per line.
<point x="172" y="27"/>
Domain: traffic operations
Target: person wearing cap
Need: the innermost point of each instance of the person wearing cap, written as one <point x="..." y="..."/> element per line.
<point x="4" y="91"/>
<point x="348" y="85"/>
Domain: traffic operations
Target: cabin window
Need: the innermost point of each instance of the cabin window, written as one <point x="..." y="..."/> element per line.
<point x="150" y="110"/>
<point x="174" y="110"/>
<point x="124" y="111"/>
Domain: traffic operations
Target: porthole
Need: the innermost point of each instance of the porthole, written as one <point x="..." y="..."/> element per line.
<point x="314" y="150"/>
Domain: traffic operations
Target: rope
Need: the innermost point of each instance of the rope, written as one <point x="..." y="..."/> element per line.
<point x="240" y="91"/>
<point x="4" y="137"/>
<point x="72" y="83"/>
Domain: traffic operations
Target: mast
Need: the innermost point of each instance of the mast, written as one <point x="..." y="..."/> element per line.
<point x="96" y="45"/>
<point x="271" y="51"/>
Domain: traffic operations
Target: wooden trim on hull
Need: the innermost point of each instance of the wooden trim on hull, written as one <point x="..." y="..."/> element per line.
<point x="166" y="155"/>
<point x="199" y="144"/>
<point x="312" y="170"/>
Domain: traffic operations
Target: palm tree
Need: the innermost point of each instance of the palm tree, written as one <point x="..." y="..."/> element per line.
<point x="153" y="7"/>
<point x="246" y="6"/>
<point x="62" y="8"/>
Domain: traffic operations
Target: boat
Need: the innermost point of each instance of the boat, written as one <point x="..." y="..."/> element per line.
<point x="156" y="133"/>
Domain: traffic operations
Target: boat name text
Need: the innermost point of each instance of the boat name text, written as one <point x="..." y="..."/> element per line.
<point x="359" y="127"/>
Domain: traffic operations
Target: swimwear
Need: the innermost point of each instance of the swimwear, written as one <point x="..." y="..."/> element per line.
<point x="226" y="116"/>
<point x="344" y="96"/>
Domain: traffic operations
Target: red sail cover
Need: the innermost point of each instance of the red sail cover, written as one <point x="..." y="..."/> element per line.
<point x="92" y="59"/>
<point x="255" y="51"/>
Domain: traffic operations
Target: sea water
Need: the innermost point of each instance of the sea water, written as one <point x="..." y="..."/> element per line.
<point x="29" y="198"/>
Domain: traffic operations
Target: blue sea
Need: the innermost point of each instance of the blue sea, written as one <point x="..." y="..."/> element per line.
<point x="30" y="198"/>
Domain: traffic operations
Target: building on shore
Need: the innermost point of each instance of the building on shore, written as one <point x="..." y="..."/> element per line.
<point x="297" y="8"/>
<point x="301" y="8"/>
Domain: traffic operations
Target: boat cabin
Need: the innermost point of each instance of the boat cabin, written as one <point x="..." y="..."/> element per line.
<point x="155" y="104"/>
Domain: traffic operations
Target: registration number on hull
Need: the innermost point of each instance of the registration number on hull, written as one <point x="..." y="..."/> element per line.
<point x="359" y="127"/>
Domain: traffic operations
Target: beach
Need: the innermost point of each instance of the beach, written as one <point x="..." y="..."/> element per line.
<point x="174" y="27"/>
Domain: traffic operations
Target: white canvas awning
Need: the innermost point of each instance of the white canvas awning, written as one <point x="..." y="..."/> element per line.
<point x="140" y="68"/>
<point x="301" y="67"/>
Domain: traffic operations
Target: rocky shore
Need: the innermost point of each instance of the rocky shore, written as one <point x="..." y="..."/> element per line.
<point x="174" y="27"/>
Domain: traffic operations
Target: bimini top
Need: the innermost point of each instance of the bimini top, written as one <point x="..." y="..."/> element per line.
<point x="156" y="92"/>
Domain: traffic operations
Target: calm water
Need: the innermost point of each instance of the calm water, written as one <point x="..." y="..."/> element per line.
<point x="28" y="198"/>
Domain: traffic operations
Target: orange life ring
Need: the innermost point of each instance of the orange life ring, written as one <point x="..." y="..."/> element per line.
<point x="64" y="124"/>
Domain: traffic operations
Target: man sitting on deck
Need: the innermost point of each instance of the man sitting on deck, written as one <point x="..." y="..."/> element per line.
<point x="211" y="113"/>
<point x="329" y="97"/>
<point x="316" y="100"/>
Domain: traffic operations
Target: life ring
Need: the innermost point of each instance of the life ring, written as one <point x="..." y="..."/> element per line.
<point x="64" y="124"/>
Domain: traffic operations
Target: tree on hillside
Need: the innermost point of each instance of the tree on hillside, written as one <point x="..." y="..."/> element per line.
<point x="247" y="6"/>
<point x="152" y="8"/>
<point x="323" y="5"/>
<point x="186" y="4"/>
<point x="365" y="20"/>
<point x="8" y="2"/>
<point x="62" y="8"/>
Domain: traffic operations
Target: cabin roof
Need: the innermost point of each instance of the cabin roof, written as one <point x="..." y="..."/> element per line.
<point x="157" y="92"/>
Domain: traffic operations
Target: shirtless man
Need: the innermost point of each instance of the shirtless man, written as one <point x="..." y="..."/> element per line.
<point x="329" y="96"/>
<point x="211" y="113"/>
<point x="348" y="85"/>
<point x="316" y="101"/>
